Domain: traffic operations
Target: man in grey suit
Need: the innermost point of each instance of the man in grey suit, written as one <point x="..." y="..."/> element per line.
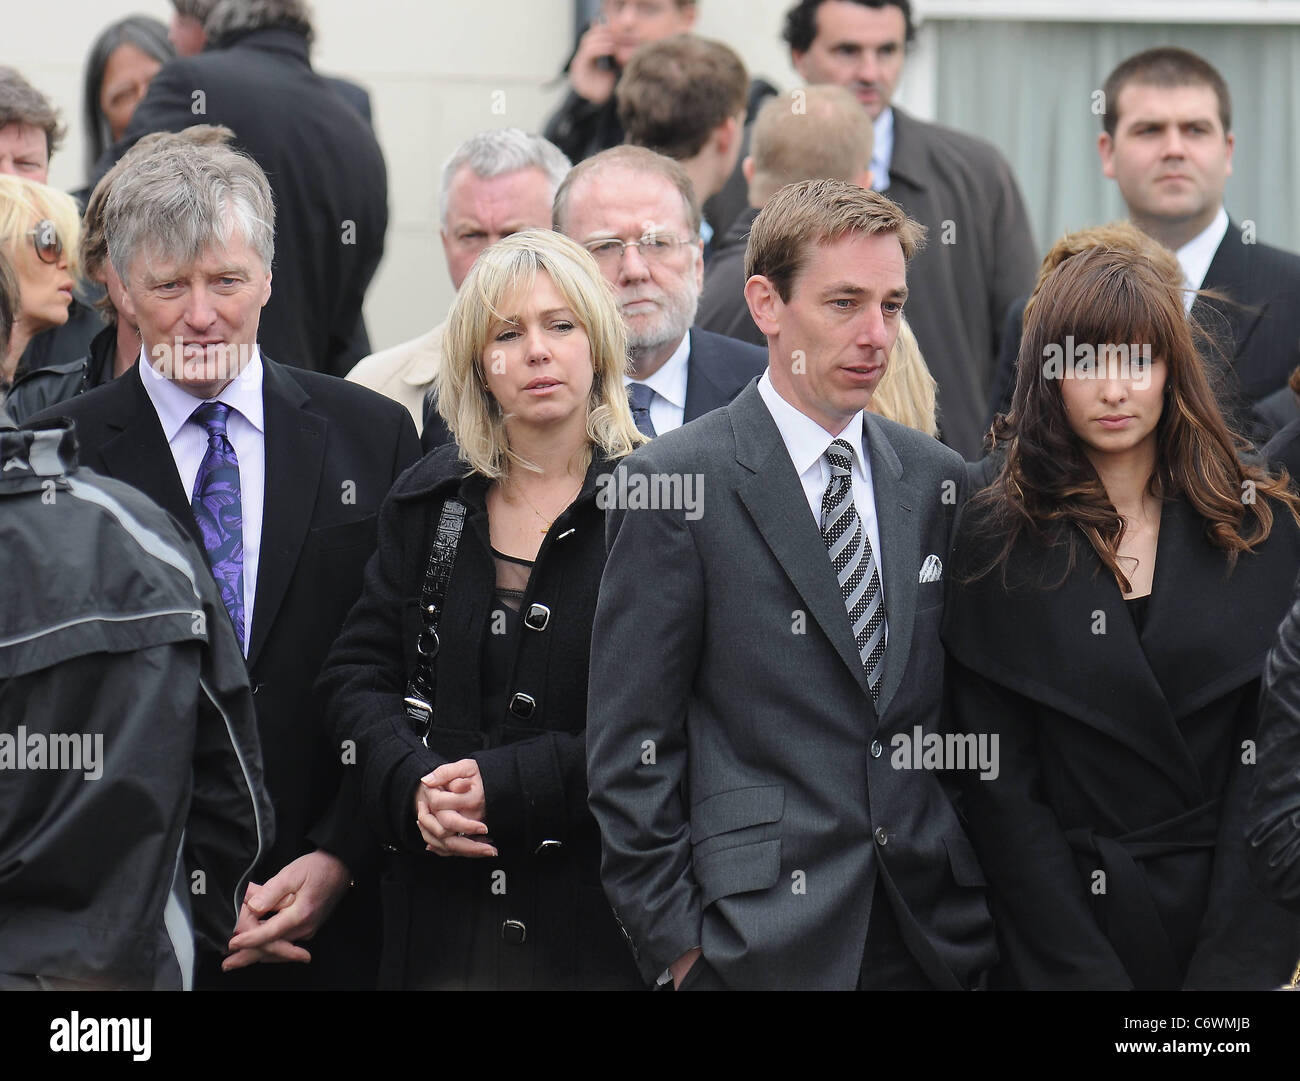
<point x="754" y="716"/>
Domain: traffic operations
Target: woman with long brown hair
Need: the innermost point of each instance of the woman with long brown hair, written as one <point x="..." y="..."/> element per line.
<point x="1115" y="591"/>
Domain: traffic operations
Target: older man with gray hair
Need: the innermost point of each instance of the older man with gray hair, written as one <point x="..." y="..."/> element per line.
<point x="278" y="474"/>
<point x="495" y="183"/>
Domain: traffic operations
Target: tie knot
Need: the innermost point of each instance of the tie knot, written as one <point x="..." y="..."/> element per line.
<point x="640" y="395"/>
<point x="840" y="456"/>
<point x="211" y="416"/>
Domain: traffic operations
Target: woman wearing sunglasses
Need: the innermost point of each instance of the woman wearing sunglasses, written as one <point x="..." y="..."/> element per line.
<point x="38" y="235"/>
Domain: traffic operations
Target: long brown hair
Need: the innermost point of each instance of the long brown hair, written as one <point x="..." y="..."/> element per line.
<point x="1102" y="295"/>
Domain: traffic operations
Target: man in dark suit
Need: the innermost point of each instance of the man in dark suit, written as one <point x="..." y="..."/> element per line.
<point x="637" y="213"/>
<point x="1167" y="142"/>
<point x="278" y="473"/>
<point x="325" y="166"/>
<point x="754" y="774"/>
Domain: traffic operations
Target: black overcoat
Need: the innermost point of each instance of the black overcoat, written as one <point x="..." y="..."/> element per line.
<point x="444" y="918"/>
<point x="1113" y="834"/>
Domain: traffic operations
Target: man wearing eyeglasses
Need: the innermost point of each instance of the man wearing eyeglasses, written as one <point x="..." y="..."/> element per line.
<point x="636" y="212"/>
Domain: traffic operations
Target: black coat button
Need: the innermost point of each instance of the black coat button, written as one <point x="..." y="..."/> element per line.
<point x="523" y="705"/>
<point x="537" y="617"/>
<point x="514" y="932"/>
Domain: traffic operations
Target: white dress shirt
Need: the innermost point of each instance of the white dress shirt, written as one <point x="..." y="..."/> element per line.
<point x="882" y="149"/>
<point x="668" y="407"/>
<point x="1197" y="254"/>
<point x="246" y="430"/>
<point x="806" y="442"/>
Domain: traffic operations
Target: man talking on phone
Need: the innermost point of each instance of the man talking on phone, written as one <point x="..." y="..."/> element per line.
<point x="587" y="122"/>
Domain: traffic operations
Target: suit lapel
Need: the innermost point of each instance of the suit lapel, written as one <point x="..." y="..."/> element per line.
<point x="1074" y="647"/>
<point x="139" y="454"/>
<point x="702" y="393"/>
<point x="775" y="499"/>
<point x="1196" y="659"/>
<point x="900" y="539"/>
<point x="1231" y="322"/>
<point x="295" y="454"/>
<point x="907" y="163"/>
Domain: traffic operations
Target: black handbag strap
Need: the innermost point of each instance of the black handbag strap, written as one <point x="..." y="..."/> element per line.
<point x="442" y="558"/>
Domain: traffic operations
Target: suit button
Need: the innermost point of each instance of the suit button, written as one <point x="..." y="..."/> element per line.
<point x="537" y="618"/>
<point x="881" y="836"/>
<point x="876" y="749"/>
<point x="257" y="686"/>
<point x="548" y="846"/>
<point x="514" y="932"/>
<point x="522" y="705"/>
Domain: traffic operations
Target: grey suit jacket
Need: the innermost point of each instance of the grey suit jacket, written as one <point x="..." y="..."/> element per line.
<point x="741" y="777"/>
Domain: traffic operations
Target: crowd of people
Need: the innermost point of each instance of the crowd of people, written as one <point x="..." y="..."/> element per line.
<point x="676" y="611"/>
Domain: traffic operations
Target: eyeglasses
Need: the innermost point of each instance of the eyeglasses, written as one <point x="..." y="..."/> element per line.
<point x="654" y="248"/>
<point x="45" y="239"/>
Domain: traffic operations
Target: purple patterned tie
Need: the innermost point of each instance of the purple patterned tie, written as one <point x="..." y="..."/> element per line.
<point x="220" y="512"/>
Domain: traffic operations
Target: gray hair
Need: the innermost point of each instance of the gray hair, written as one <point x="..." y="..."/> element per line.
<point x="194" y="9"/>
<point x="182" y="199"/>
<point x="501" y="151"/>
<point x="228" y="17"/>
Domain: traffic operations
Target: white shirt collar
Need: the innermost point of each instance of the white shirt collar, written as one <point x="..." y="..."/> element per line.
<point x="175" y="406"/>
<point x="882" y="149"/>
<point x="1197" y="254"/>
<point x="669" y="382"/>
<point x="804" y="438"/>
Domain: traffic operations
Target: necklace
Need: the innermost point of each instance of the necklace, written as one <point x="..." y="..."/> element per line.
<point x="548" y="522"/>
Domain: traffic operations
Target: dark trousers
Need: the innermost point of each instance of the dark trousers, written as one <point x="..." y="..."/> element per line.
<point x="887" y="963"/>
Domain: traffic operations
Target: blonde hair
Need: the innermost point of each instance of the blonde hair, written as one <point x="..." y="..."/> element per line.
<point x="500" y="274"/>
<point x="906" y="392"/>
<point x="24" y="202"/>
<point x="830" y="136"/>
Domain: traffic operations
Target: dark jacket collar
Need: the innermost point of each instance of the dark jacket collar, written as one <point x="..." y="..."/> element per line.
<point x="286" y="39"/>
<point x="442" y="474"/>
<point x="1075" y="648"/>
<point x="1232" y="320"/>
<point x="908" y="160"/>
<point x="738" y="232"/>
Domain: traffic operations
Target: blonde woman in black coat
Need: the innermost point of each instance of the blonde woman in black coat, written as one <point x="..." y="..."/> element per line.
<point x="494" y="872"/>
<point x="1115" y="592"/>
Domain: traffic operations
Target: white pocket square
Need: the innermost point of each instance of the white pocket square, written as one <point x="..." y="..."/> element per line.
<point x="931" y="569"/>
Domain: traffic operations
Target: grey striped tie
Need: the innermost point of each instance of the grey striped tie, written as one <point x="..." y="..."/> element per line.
<point x="854" y="563"/>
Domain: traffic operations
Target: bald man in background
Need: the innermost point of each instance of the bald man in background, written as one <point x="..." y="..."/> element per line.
<point x="817" y="133"/>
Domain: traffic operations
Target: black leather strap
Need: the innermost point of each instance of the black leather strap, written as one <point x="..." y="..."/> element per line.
<point x="442" y="558"/>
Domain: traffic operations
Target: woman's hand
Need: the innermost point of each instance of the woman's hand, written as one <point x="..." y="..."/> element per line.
<point x="450" y="807"/>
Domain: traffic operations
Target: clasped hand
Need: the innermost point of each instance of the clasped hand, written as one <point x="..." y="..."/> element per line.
<point x="450" y="807"/>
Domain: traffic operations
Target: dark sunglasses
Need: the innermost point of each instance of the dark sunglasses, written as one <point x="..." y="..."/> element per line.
<point x="45" y="239"/>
